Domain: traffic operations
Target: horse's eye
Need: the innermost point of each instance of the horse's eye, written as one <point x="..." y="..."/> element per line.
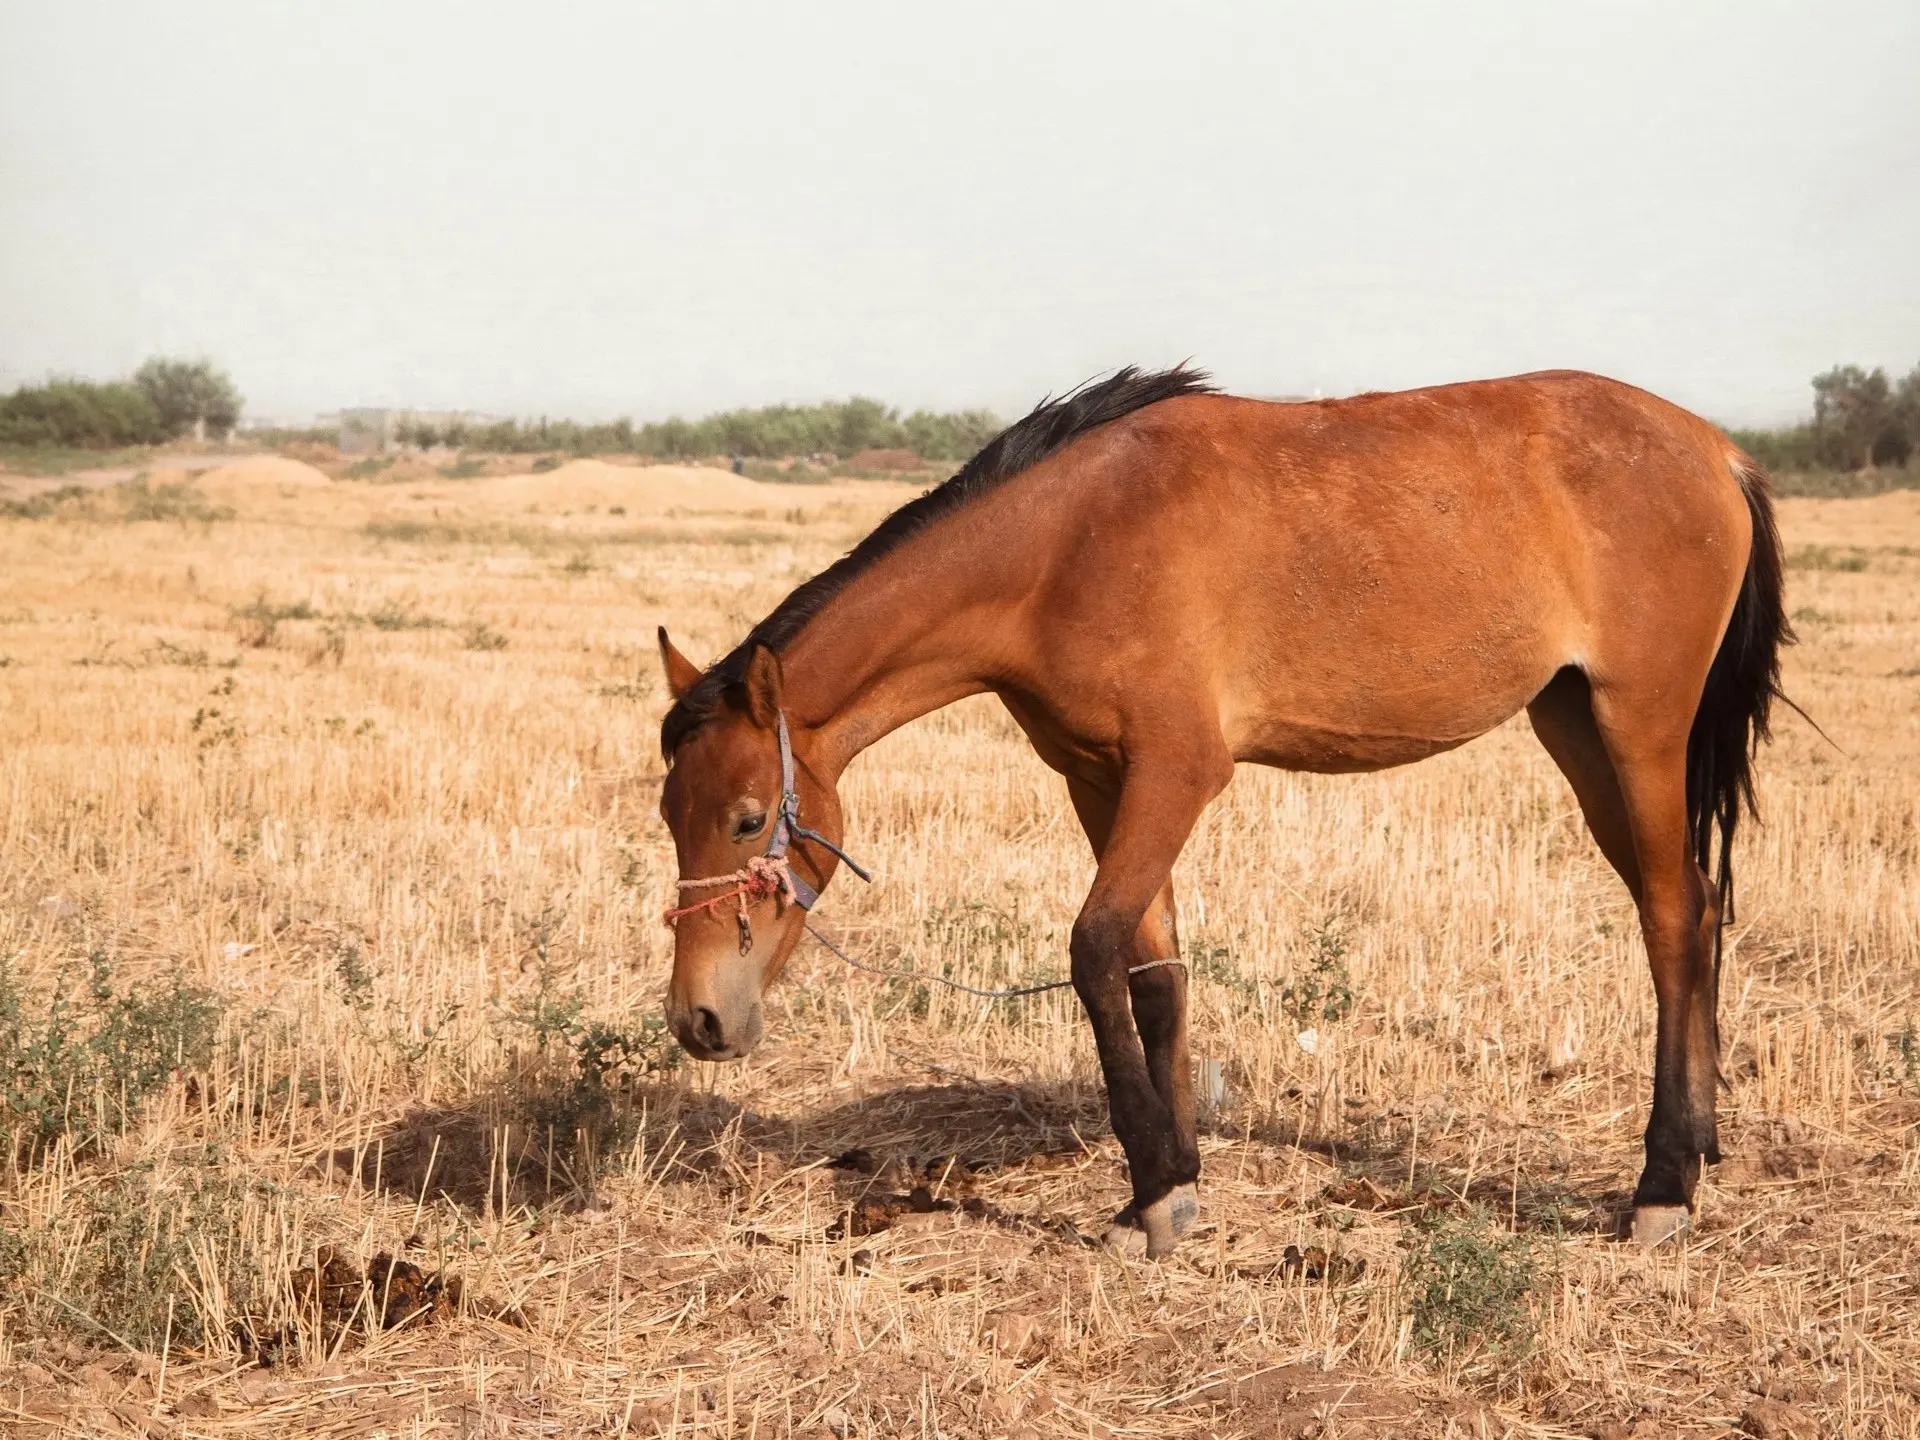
<point x="748" y="826"/>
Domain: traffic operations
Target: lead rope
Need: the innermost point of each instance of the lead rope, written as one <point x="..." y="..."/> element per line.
<point x="770" y="876"/>
<point x="897" y="974"/>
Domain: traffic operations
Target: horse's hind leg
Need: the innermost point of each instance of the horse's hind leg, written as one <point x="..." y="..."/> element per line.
<point x="1562" y="716"/>
<point x="1627" y="765"/>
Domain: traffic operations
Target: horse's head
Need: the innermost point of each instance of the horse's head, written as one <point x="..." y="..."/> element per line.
<point x="746" y="872"/>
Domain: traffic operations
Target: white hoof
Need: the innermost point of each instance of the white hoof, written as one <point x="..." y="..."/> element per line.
<point x="1154" y="1231"/>
<point x="1654" y="1225"/>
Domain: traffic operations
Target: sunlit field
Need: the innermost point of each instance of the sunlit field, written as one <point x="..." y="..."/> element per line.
<point x="339" y="1105"/>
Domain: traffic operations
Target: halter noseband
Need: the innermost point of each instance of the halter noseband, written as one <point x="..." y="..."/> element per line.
<point x="769" y="873"/>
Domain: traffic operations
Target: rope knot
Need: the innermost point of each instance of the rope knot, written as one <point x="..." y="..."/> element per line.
<point x="762" y="877"/>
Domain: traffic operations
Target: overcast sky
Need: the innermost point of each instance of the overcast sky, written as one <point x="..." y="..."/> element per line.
<point x="602" y="208"/>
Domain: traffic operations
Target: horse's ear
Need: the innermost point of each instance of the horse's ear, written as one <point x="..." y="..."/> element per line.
<point x="765" y="694"/>
<point x="682" y="673"/>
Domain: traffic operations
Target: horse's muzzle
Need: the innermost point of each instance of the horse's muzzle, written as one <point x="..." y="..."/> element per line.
<point x="707" y="1032"/>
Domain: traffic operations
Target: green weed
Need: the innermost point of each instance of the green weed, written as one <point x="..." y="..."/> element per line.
<point x="1214" y="961"/>
<point x="574" y="1087"/>
<point x="139" y="500"/>
<point x="44" y="505"/>
<point x="1470" y="1287"/>
<point x="1846" y="559"/>
<point x="392" y="615"/>
<point x="113" y="1264"/>
<point x="478" y="635"/>
<point x="258" y="623"/>
<point x="1323" y="995"/>
<point x="80" y="1061"/>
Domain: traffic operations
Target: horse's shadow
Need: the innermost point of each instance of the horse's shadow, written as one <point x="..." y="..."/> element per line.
<point x="509" y="1150"/>
<point x="514" y="1149"/>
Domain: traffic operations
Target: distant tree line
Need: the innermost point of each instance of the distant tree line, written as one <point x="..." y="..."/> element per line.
<point x="837" y="427"/>
<point x="1861" y="421"/>
<point x="163" y="400"/>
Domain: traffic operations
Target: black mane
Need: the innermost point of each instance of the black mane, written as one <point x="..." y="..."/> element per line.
<point x="1022" y="445"/>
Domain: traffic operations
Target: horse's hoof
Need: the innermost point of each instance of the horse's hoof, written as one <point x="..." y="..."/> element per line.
<point x="1154" y="1231"/>
<point x="1654" y="1225"/>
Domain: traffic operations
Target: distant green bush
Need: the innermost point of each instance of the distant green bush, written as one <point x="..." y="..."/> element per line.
<point x="80" y="414"/>
<point x="1862" y="439"/>
<point x="189" y="396"/>
<point x="165" y="400"/>
<point x="835" y="427"/>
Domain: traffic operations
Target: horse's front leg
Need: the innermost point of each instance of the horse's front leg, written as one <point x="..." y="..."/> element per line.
<point x="1157" y="807"/>
<point x="1157" y="990"/>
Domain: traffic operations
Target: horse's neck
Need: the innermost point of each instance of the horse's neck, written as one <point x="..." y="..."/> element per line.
<point x="903" y="639"/>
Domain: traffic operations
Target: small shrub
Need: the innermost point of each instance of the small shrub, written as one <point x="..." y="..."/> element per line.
<point x="573" y="1091"/>
<point x="332" y="648"/>
<point x="165" y="652"/>
<point x="139" y="500"/>
<point x="392" y="615"/>
<point x="81" y="1062"/>
<point x="638" y="688"/>
<point x="463" y="469"/>
<point x="44" y="505"/>
<point x="1324" y="994"/>
<point x="213" y="727"/>
<point x="1827" y="557"/>
<point x="1214" y="961"/>
<point x="481" y="636"/>
<point x="258" y="624"/>
<point x="368" y="468"/>
<point x="546" y="463"/>
<point x="380" y="1023"/>
<point x="1469" y="1285"/>
<point x="113" y="1260"/>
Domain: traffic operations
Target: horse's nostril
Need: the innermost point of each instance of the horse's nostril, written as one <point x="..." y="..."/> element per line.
<point x="708" y="1030"/>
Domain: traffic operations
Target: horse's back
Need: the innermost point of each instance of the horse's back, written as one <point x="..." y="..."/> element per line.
<point x="1362" y="582"/>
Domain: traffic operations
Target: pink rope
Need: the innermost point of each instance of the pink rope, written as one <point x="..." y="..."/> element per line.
<point x="759" y="879"/>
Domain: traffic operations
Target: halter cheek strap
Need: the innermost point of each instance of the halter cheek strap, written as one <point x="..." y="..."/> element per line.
<point x="787" y="824"/>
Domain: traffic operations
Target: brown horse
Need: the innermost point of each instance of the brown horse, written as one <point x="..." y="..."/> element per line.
<point x="1159" y="581"/>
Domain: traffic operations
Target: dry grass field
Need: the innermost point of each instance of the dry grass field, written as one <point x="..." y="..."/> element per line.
<point x="329" y="889"/>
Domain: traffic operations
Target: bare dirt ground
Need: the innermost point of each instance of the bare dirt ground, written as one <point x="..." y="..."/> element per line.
<point x="328" y="807"/>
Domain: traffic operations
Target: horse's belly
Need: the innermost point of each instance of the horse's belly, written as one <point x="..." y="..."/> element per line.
<point x="1337" y="752"/>
<point x="1374" y="727"/>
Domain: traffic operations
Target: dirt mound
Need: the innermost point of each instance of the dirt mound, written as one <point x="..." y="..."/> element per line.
<point x="261" y="475"/>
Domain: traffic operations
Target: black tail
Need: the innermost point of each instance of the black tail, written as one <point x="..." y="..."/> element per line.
<point x="1736" y="707"/>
